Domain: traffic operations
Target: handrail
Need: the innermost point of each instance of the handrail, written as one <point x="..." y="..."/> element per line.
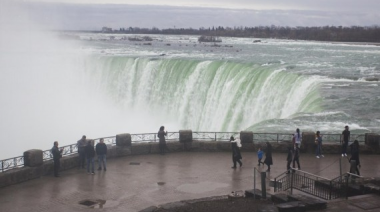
<point x="16" y="162"/>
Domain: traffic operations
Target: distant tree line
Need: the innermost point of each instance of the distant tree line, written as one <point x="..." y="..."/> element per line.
<point x="323" y="33"/>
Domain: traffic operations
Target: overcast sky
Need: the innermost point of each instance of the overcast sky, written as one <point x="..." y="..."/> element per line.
<point x="94" y="14"/>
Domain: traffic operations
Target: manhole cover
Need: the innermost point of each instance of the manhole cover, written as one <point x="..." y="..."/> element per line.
<point x="134" y="163"/>
<point x="88" y="203"/>
<point x="161" y="183"/>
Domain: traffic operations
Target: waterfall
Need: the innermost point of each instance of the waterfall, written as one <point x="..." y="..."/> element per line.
<point x="204" y="95"/>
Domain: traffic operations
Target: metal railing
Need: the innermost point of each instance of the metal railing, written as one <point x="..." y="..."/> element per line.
<point x="314" y="185"/>
<point x="17" y="162"/>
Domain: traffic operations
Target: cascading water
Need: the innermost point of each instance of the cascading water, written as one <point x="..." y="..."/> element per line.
<point x="204" y="95"/>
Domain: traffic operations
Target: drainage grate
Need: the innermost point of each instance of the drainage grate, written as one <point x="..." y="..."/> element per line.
<point x="134" y="163"/>
<point x="87" y="203"/>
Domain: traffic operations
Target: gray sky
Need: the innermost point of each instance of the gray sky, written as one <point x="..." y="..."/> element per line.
<point x="94" y="14"/>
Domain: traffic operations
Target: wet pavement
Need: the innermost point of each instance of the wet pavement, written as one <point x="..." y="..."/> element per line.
<point x="136" y="182"/>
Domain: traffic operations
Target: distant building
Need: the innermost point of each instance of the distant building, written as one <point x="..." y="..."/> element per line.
<point x="106" y="29"/>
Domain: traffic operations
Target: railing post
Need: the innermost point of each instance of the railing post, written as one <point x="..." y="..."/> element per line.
<point x="263" y="185"/>
<point x="15" y="162"/>
<point x="330" y="189"/>
<point x="347" y="176"/>
<point x="275" y="185"/>
<point x="340" y="168"/>
<point x="155" y="138"/>
<point x="71" y="149"/>
<point x="277" y="137"/>
<point x="254" y="183"/>
<point x="291" y="182"/>
<point x="215" y="136"/>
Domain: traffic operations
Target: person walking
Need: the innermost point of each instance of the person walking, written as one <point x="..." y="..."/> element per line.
<point x="162" y="142"/>
<point x="81" y="144"/>
<point x="296" y="157"/>
<point x="318" y="142"/>
<point x="90" y="154"/>
<point x="101" y="151"/>
<point x="355" y="157"/>
<point x="260" y="154"/>
<point x="236" y="155"/>
<point x="57" y="154"/>
<point x="344" y="140"/>
<point x="297" y="138"/>
<point x="289" y="158"/>
<point x="268" y="156"/>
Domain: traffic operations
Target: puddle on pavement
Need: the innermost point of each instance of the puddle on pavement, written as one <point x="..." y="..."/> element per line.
<point x="201" y="187"/>
<point x="161" y="183"/>
<point x="134" y="163"/>
<point x="99" y="203"/>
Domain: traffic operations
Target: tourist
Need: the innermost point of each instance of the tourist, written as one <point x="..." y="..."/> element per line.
<point x="90" y="154"/>
<point x="289" y="158"/>
<point x="236" y="155"/>
<point x="57" y="154"/>
<point x="344" y="140"/>
<point x="296" y="157"/>
<point x="81" y="144"/>
<point x="297" y="138"/>
<point x="318" y="142"/>
<point x="101" y="151"/>
<point x="260" y="156"/>
<point x="355" y="156"/>
<point x="268" y="156"/>
<point x="162" y="142"/>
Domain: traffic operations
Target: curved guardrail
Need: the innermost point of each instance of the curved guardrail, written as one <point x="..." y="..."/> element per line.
<point x="16" y="162"/>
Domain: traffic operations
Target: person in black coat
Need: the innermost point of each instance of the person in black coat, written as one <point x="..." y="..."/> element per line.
<point x="57" y="154"/>
<point x="296" y="157"/>
<point x="236" y="156"/>
<point x="101" y="152"/>
<point x="90" y="154"/>
<point x="289" y="158"/>
<point x="162" y="142"/>
<point x="355" y="157"/>
<point x="268" y="156"/>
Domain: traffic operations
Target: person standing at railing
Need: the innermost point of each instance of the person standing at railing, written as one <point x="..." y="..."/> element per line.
<point x="90" y="154"/>
<point x="296" y="157"/>
<point x="289" y="158"/>
<point x="318" y="142"/>
<point x="297" y="138"/>
<point x="355" y="157"/>
<point x="57" y="154"/>
<point x="236" y="155"/>
<point x="268" y="156"/>
<point x="101" y="151"/>
<point x="162" y="142"/>
<point x="344" y="141"/>
<point x="81" y="144"/>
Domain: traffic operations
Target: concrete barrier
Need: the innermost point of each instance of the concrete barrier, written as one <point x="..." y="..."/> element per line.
<point x="246" y="137"/>
<point x="33" y="158"/>
<point x="124" y="140"/>
<point x="35" y="166"/>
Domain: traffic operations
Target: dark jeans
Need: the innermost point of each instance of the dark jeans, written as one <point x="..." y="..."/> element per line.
<point x="102" y="159"/>
<point x="57" y="165"/>
<point x="234" y="160"/>
<point x="90" y="165"/>
<point x="318" y="151"/>
<point x="288" y="165"/>
<point x="260" y="161"/>
<point x="81" y="158"/>
<point x="344" y="147"/>
<point x="298" y="163"/>
<point x="163" y="147"/>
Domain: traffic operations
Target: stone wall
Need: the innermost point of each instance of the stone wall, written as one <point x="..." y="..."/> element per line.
<point x="35" y="167"/>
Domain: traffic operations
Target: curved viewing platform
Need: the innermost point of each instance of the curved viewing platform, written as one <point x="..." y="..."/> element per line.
<point x="196" y="166"/>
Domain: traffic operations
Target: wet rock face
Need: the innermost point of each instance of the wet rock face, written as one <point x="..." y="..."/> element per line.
<point x="33" y="158"/>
